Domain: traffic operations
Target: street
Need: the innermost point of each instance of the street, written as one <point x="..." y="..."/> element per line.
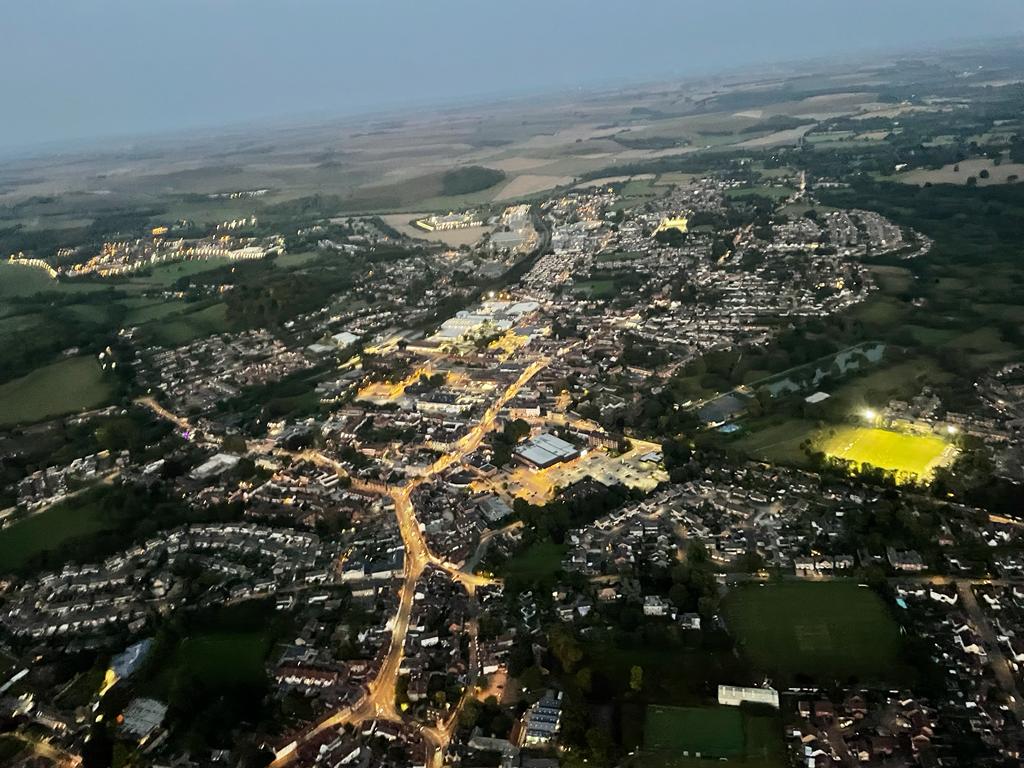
<point x="380" y="699"/>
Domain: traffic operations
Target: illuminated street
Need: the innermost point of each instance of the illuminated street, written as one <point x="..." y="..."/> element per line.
<point x="380" y="699"/>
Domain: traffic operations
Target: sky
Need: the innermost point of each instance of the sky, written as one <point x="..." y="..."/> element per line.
<point x="80" y="70"/>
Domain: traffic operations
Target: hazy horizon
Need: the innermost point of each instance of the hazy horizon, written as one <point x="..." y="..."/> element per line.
<point x="113" y="70"/>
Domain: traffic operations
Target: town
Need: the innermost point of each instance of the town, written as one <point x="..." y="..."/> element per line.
<point x="699" y="458"/>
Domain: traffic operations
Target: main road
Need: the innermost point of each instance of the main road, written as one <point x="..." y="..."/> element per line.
<point x="379" y="702"/>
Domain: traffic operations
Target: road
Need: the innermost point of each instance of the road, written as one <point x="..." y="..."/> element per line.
<point x="380" y="699"/>
<point x="180" y="421"/>
<point x="484" y="543"/>
<point x="107" y="479"/>
<point x="1001" y="667"/>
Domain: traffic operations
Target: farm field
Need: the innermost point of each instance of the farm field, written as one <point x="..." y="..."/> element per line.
<point x="186" y="327"/>
<point x="998" y="174"/>
<point x="906" y="454"/>
<point x="830" y="632"/>
<point x="23" y="281"/>
<point x="16" y="281"/>
<point x="141" y="311"/>
<point x="73" y="384"/>
<point x="165" y="275"/>
<point x="529" y="184"/>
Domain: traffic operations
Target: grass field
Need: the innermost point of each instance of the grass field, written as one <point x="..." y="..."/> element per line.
<point x="165" y="275"/>
<point x="10" y="746"/>
<point x="777" y="442"/>
<point x="141" y="311"/>
<point x="901" y="381"/>
<point x="823" y="632"/>
<point x="695" y="731"/>
<point x="47" y="530"/>
<point x="84" y="687"/>
<point x="674" y="736"/>
<point x="674" y="673"/>
<point x="218" y="658"/>
<point x="595" y="289"/>
<point x="226" y="658"/>
<point x="181" y="329"/>
<point x="960" y="172"/>
<point x="73" y="384"/>
<point x="906" y="454"/>
<point x="23" y="281"/>
<point x="537" y="562"/>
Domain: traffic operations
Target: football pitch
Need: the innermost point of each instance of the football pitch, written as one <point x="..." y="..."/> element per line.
<point x="695" y="731"/>
<point x="698" y="737"/>
<point x="906" y="454"/>
<point x="822" y="632"/>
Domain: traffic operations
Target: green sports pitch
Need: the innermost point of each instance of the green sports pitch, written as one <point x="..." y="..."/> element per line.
<point x="908" y="455"/>
<point x="695" y="731"/>
<point x="825" y="632"/>
<point x="695" y="737"/>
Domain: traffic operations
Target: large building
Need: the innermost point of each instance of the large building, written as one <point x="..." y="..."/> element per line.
<point x="543" y="720"/>
<point x="450" y="222"/>
<point x="545" y="450"/>
<point x="735" y="695"/>
<point x="491" y="316"/>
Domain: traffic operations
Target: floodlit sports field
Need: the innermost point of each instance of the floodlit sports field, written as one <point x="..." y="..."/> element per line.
<point x="917" y="455"/>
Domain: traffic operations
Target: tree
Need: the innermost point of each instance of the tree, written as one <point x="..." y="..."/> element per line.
<point x="636" y="678"/>
<point x="566" y="648"/>
<point x="584" y="679"/>
<point x="697" y="553"/>
<point x="517" y="430"/>
<point x="470" y="713"/>
<point x="532" y="678"/>
<point x="599" y="741"/>
<point x="234" y="444"/>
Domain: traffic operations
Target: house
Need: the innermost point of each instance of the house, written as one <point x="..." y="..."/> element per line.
<point x="735" y="695"/>
<point x="689" y="621"/>
<point x="142" y="717"/>
<point x="655" y="605"/>
<point x="908" y="561"/>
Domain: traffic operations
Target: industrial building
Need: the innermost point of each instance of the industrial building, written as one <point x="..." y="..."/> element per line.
<point x="545" y="450"/>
